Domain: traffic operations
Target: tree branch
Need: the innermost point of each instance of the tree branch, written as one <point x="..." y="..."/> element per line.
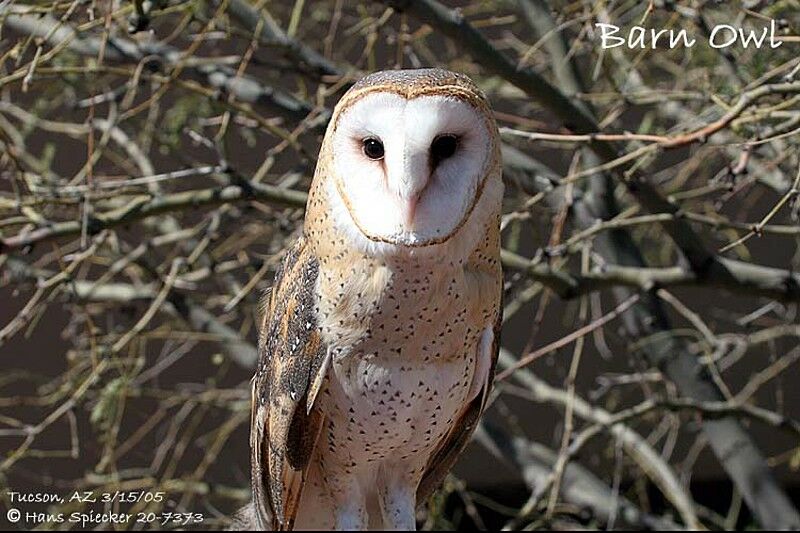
<point x="147" y="205"/>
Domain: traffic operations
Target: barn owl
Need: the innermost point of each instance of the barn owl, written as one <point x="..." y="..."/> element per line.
<point x="380" y="337"/>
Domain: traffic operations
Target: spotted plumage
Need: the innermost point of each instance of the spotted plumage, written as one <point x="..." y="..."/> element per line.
<point x="380" y="336"/>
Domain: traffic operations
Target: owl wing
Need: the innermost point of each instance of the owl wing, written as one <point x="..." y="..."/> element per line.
<point x="284" y="424"/>
<point x="448" y="451"/>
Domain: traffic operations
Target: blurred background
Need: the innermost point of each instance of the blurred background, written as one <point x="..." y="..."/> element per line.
<point x="154" y="159"/>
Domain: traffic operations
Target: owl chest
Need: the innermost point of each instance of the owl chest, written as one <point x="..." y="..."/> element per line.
<point x="403" y="361"/>
<point x="417" y="315"/>
<point x="380" y="407"/>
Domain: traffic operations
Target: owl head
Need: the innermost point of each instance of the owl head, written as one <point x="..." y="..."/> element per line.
<point x="410" y="160"/>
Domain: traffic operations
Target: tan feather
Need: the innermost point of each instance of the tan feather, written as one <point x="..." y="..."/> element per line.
<point x="283" y="430"/>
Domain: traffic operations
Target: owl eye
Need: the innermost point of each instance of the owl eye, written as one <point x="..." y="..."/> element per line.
<point x="444" y="146"/>
<point x="373" y="148"/>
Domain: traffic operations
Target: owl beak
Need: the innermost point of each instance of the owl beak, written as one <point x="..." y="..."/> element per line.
<point x="409" y="185"/>
<point x="408" y="207"/>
